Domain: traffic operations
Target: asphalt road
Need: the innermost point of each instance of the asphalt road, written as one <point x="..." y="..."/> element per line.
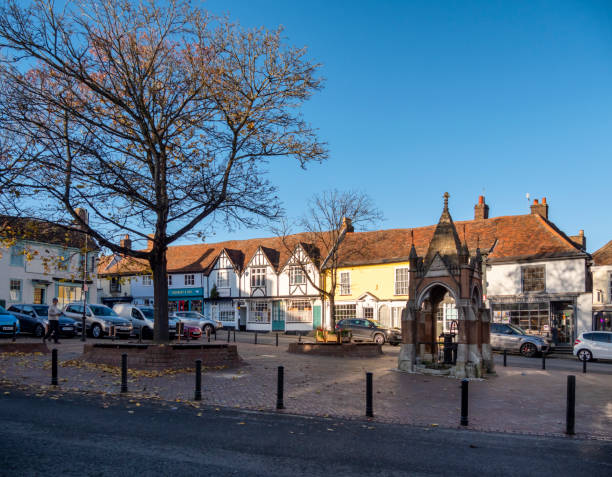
<point x="83" y="435"/>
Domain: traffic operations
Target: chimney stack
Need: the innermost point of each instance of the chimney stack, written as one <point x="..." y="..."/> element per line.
<point x="126" y="242"/>
<point x="84" y="216"/>
<point x="579" y="240"/>
<point x="481" y="210"/>
<point x="150" y="241"/>
<point x="540" y="209"/>
<point x="347" y="224"/>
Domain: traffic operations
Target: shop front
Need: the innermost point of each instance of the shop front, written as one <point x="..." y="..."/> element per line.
<point x="185" y="299"/>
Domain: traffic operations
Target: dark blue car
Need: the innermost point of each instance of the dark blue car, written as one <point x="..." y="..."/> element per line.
<point x="7" y="322"/>
<point x="34" y="318"/>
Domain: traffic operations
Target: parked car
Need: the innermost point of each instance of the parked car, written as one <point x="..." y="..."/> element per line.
<point x="194" y="318"/>
<point x="505" y="336"/>
<point x="142" y="318"/>
<point x="99" y="319"/>
<point x="370" y="330"/>
<point x="191" y="332"/>
<point x="7" y="322"/>
<point x="33" y="319"/>
<point x="593" y="345"/>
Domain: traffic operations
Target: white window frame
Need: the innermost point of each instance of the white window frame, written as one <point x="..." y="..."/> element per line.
<point x="402" y="285"/>
<point x="226" y="312"/>
<point x="345" y="283"/>
<point x="15" y="292"/>
<point x="296" y="272"/>
<point x="258" y="277"/>
<point x="223" y="280"/>
<point x="189" y="279"/>
<point x="147" y="280"/>
<point x="259" y="312"/>
<point x="17" y="256"/>
<point x="298" y="311"/>
<point x="396" y="316"/>
<point x="345" y="311"/>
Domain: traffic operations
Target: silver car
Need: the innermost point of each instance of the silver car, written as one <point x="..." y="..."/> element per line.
<point x="193" y="318"/>
<point x="99" y="319"/>
<point x="512" y="338"/>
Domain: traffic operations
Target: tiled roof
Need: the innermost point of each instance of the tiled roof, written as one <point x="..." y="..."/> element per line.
<point x="510" y="238"/>
<point x="43" y="232"/>
<point x="603" y="256"/>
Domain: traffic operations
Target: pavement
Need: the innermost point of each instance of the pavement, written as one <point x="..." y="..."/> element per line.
<point x="85" y="435"/>
<point x="522" y="398"/>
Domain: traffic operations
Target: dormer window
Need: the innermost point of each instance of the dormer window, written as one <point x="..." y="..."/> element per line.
<point x="258" y="277"/>
<point x="296" y="276"/>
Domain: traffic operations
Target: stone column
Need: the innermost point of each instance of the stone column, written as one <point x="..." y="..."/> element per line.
<point x="462" y="339"/>
<point x="485" y="327"/>
<point x="474" y="356"/>
<point x="407" y="356"/>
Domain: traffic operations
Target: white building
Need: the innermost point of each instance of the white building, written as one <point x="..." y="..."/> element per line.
<point x="602" y="288"/>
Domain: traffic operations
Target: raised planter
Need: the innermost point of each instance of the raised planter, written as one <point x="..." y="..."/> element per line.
<point x="24" y="348"/>
<point x="345" y="350"/>
<point x="172" y="356"/>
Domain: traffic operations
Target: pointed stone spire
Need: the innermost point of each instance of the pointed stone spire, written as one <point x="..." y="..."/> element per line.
<point x="413" y="257"/>
<point x="445" y="240"/>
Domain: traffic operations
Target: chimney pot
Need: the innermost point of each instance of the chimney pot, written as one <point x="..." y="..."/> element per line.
<point x="536" y="201"/>
<point x="481" y="199"/>
<point x="543" y="200"/>
<point x="125" y="242"/>
<point x="581" y="232"/>
<point x="481" y="209"/>
<point x="540" y="209"/>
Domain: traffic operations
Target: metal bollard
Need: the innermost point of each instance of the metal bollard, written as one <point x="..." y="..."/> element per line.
<point x="234" y="336"/>
<point x="277" y="339"/>
<point x="570" y="415"/>
<point x="300" y="338"/>
<point x="256" y="337"/>
<point x="14" y="332"/>
<point x="112" y="332"/>
<point x="280" y="383"/>
<point x="54" y="367"/>
<point x="83" y="329"/>
<point x="228" y="335"/>
<point x="369" y="403"/>
<point x="208" y="333"/>
<point x="505" y="356"/>
<point x="124" y="387"/>
<point x="198" y="381"/>
<point x="584" y="362"/>
<point x="464" y="402"/>
<point x="543" y="360"/>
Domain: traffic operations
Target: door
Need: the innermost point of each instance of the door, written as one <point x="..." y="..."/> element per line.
<point x="359" y="329"/>
<point x="243" y="312"/>
<point x="278" y="317"/>
<point x="316" y="317"/>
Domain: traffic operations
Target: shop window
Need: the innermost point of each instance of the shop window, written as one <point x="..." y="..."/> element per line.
<point x="344" y="312"/>
<point x="345" y="283"/>
<point x="532" y="317"/>
<point x="226" y="312"/>
<point x="189" y="279"/>
<point x="15" y="290"/>
<point x="296" y="276"/>
<point x="17" y="256"/>
<point x="401" y="281"/>
<point x="68" y="294"/>
<point x="258" y="312"/>
<point x="258" y="277"/>
<point x="299" y="311"/>
<point x="147" y="280"/>
<point x="534" y="278"/>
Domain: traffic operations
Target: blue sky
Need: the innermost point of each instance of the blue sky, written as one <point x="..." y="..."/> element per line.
<point x="459" y="96"/>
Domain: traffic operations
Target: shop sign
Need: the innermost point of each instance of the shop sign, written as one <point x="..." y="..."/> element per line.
<point x="185" y="292"/>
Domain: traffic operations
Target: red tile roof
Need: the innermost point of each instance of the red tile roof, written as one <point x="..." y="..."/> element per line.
<point x="603" y="256"/>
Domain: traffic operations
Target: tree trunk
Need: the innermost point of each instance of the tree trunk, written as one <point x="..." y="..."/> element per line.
<point x="160" y="294"/>
<point x="332" y="311"/>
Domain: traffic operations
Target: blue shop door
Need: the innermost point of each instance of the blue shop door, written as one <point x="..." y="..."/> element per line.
<point x="316" y="317"/>
<point x="278" y="317"/>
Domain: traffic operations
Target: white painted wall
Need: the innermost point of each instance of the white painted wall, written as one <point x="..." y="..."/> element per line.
<point x="601" y="282"/>
<point x="584" y="313"/>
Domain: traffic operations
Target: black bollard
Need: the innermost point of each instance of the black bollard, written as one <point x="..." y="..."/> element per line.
<point x="584" y="361"/>
<point x="464" y="402"/>
<point x="54" y="367"/>
<point x="83" y="328"/>
<point x="124" y="387"/>
<point x="276" y="339"/>
<point x="198" y="381"/>
<point x="505" y="356"/>
<point x="234" y="336"/>
<point x="140" y="334"/>
<point x="112" y="332"/>
<point x="543" y="360"/>
<point x="369" y="403"/>
<point x="228" y="335"/>
<point x="14" y="332"/>
<point x="570" y="415"/>
<point x="300" y="338"/>
<point x="280" y="383"/>
<point x="256" y="337"/>
<point x="208" y="333"/>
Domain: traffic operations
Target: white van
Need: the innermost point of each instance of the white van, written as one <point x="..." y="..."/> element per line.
<point x="142" y="318"/>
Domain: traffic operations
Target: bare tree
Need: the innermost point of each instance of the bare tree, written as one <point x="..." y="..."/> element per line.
<point x="330" y="216"/>
<point x="154" y="119"/>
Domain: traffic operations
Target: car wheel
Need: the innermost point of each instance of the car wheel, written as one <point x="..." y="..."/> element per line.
<point x="39" y="331"/>
<point x="379" y="339"/>
<point x="528" y="350"/>
<point x="584" y="354"/>
<point x="208" y="329"/>
<point x="96" y="330"/>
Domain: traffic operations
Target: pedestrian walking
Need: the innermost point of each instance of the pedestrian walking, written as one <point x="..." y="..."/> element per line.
<point x="53" y="317"/>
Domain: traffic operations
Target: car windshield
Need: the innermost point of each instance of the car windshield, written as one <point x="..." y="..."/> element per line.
<point x="517" y="330"/>
<point x="102" y="310"/>
<point x="148" y="312"/>
<point x="41" y="309"/>
<point x="377" y="324"/>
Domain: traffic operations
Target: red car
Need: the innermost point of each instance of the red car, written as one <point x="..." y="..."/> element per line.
<point x="192" y="332"/>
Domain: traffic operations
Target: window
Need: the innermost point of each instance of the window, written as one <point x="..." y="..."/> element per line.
<point x="401" y="281"/>
<point x="190" y="279"/>
<point x="68" y="294"/>
<point x="17" y="256"/>
<point x="368" y="313"/>
<point x="534" y="278"/>
<point x="115" y="284"/>
<point x="258" y="312"/>
<point x="532" y="317"/>
<point x="147" y="280"/>
<point x="344" y="312"/>
<point x="223" y="279"/>
<point x="39" y="296"/>
<point x="345" y="283"/>
<point x="396" y="316"/>
<point x="15" y="288"/>
<point x="296" y="276"/>
<point x="169" y="280"/>
<point x="63" y="260"/>
<point x="299" y="311"/>
<point x="610" y="288"/>
<point x="258" y="277"/>
<point x="226" y="312"/>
